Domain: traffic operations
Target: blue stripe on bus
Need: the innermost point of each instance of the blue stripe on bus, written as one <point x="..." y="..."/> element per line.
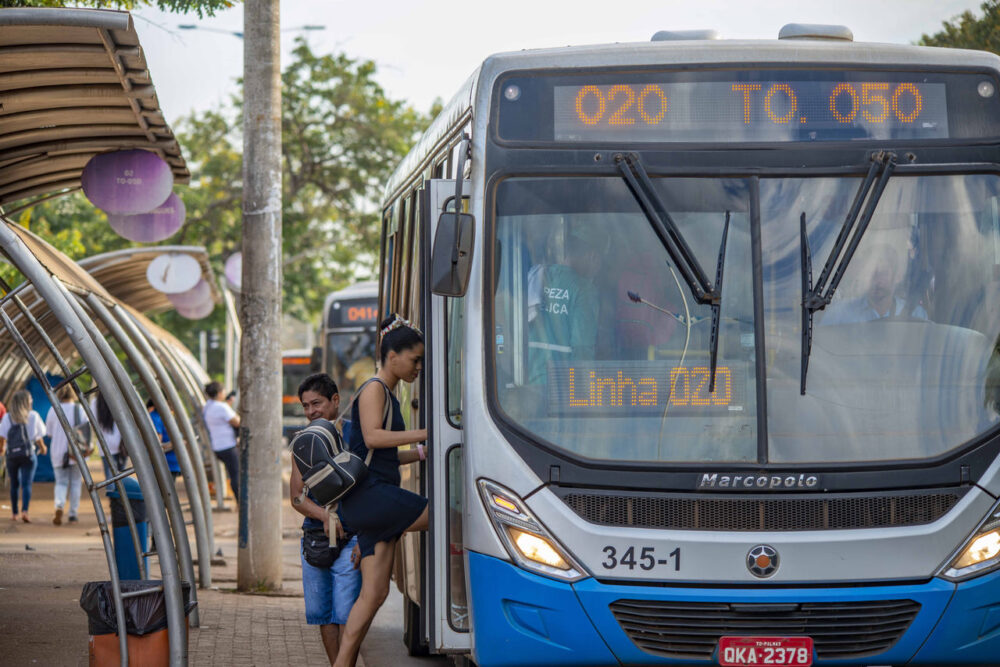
<point x="524" y="619"/>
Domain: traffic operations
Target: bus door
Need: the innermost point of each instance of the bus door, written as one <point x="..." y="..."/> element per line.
<point x="444" y="611"/>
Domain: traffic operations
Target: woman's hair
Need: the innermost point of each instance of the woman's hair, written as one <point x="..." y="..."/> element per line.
<point x="20" y="406"/>
<point x="104" y="418"/>
<point x="397" y="335"/>
<point x="66" y="393"/>
<point x="213" y="389"/>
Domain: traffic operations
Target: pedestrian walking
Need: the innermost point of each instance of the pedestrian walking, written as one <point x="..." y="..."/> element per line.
<point x="168" y="448"/>
<point x="331" y="580"/>
<point x="220" y="420"/>
<point x="112" y="436"/>
<point x="21" y="433"/>
<point x="69" y="479"/>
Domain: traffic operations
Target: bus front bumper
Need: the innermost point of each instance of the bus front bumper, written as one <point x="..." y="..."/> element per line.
<point x="520" y="618"/>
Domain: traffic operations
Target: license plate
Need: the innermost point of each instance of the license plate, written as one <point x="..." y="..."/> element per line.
<point x="765" y="651"/>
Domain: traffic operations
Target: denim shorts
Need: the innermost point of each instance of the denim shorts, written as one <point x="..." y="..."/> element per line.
<point x="330" y="592"/>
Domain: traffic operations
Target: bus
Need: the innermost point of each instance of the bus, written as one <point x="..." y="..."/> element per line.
<point x="347" y="334"/>
<point x="296" y="365"/>
<point x="712" y="365"/>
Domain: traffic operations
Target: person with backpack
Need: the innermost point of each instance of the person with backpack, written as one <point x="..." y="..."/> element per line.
<point x="377" y="509"/>
<point x="331" y="580"/>
<point x="69" y="479"/>
<point x="21" y="433"/>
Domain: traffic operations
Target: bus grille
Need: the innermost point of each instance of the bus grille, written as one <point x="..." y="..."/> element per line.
<point x="840" y="630"/>
<point x="829" y="512"/>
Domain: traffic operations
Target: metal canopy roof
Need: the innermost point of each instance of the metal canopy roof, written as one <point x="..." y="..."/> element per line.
<point x="73" y="83"/>
<point x="14" y="368"/>
<point x="123" y="274"/>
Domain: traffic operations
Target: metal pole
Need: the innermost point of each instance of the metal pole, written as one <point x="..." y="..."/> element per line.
<point x="194" y="393"/>
<point x="142" y="339"/>
<point x="259" y="561"/>
<point x="57" y="300"/>
<point x="141" y="365"/>
<point x="157" y="458"/>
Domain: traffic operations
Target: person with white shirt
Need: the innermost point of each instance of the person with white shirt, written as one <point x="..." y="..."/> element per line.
<point x="220" y="419"/>
<point x="112" y="436"/>
<point x="68" y="476"/>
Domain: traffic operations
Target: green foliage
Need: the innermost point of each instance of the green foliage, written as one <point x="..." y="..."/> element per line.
<point x="342" y="136"/>
<point x="967" y="31"/>
<point x="202" y="8"/>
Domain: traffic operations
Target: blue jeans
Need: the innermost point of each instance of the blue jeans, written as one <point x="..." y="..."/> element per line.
<point x="68" y="479"/>
<point x="330" y="592"/>
<point x="21" y="474"/>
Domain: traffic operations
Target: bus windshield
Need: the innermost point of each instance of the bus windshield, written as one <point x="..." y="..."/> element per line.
<point x="351" y="359"/>
<point x="902" y="364"/>
<point x="590" y="369"/>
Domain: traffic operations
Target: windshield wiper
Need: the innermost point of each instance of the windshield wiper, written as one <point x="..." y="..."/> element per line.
<point x="666" y="229"/>
<point x="818" y="296"/>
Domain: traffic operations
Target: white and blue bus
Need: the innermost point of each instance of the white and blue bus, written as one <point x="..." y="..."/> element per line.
<point x="713" y="355"/>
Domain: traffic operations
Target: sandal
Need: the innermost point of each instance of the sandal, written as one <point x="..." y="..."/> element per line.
<point x="24" y="518"/>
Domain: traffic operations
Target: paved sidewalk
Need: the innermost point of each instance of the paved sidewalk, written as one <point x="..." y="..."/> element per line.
<point x="44" y="567"/>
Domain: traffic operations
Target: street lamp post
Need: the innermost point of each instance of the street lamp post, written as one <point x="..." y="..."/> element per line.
<point x="238" y="34"/>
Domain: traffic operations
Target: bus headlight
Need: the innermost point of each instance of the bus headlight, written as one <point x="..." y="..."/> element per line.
<point x="529" y="543"/>
<point x="980" y="553"/>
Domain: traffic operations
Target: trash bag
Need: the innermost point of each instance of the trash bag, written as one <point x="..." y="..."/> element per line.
<point x="143" y="614"/>
<point x="118" y="517"/>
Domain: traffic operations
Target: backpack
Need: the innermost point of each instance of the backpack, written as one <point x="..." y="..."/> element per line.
<point x="329" y="469"/>
<point x="18" y="443"/>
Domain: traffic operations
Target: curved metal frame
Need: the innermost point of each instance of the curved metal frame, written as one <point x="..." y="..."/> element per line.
<point x="121" y="397"/>
<point x="141" y="365"/>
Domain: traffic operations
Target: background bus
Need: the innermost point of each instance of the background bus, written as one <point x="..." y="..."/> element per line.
<point x="725" y="370"/>
<point x="347" y="334"/>
<point x="295" y="366"/>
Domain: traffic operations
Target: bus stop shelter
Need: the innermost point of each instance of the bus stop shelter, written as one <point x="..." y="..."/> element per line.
<point x="73" y="84"/>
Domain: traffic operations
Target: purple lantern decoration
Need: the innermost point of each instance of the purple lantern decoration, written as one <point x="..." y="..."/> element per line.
<point x="234" y="271"/>
<point x="127" y="182"/>
<point x="193" y="298"/>
<point x="153" y="226"/>
<point x="197" y="312"/>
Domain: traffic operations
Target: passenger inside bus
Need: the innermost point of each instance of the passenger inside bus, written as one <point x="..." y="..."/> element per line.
<point x="879" y="274"/>
<point x="563" y="309"/>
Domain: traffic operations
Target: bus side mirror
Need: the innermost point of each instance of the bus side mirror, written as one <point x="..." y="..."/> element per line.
<point x="451" y="262"/>
<point x="316" y="360"/>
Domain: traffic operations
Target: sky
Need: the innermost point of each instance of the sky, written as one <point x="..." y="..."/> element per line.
<point x="425" y="49"/>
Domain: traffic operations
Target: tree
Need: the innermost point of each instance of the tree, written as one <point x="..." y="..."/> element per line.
<point x="342" y="137"/>
<point x="202" y="8"/>
<point x="966" y="31"/>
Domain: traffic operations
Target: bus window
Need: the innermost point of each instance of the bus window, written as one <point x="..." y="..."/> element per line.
<point x="901" y="358"/>
<point x="590" y="370"/>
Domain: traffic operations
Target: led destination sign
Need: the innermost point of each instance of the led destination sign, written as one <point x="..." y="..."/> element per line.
<point x="746" y="105"/>
<point x="630" y="388"/>
<point x="751" y="111"/>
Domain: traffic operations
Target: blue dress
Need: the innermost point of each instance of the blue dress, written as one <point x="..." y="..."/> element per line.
<point x="377" y="509"/>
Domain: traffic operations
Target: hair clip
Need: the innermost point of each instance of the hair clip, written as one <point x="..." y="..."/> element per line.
<point x="396" y="323"/>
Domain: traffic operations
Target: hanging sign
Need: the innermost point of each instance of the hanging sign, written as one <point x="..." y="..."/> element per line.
<point x="173" y="272"/>
<point x="234" y="271"/>
<point x="196" y="296"/>
<point x="197" y="312"/>
<point x="127" y="182"/>
<point x="153" y="226"/>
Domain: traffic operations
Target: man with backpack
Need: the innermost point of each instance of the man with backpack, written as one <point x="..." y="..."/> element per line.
<point x="330" y="578"/>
